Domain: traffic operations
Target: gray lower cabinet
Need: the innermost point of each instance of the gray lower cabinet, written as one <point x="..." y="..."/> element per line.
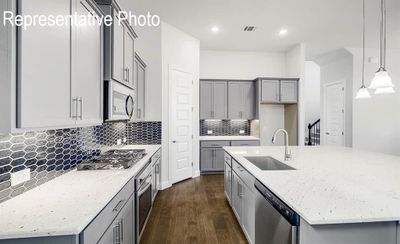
<point x="243" y="199"/>
<point x="213" y="100"/>
<point x="228" y="182"/>
<point x="212" y="156"/>
<point x="241" y="100"/>
<point x="122" y="229"/>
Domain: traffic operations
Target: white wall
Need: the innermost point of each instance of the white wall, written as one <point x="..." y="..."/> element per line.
<point x="181" y="50"/>
<point x="148" y="46"/>
<point x="312" y="92"/>
<point x="295" y="68"/>
<point x="241" y="65"/>
<point x="337" y="69"/>
<point x="376" y="121"/>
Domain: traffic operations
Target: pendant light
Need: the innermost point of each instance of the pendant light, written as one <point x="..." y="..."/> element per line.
<point x="382" y="78"/>
<point x="363" y="91"/>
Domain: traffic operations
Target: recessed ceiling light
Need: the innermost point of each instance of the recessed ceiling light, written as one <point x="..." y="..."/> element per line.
<point x="215" y="29"/>
<point x="283" y="32"/>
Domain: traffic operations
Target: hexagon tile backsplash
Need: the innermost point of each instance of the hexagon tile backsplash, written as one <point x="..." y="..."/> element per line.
<point x="51" y="153"/>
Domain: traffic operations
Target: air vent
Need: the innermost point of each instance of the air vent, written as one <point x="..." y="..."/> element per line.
<point x="249" y="28"/>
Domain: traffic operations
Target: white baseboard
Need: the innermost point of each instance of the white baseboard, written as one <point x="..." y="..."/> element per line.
<point x="165" y="185"/>
<point x="196" y="174"/>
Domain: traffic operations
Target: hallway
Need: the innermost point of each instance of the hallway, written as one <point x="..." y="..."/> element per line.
<point x="193" y="211"/>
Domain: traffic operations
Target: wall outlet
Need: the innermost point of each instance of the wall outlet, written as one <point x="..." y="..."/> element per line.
<point x="209" y="132"/>
<point x="119" y="142"/>
<point x="241" y="131"/>
<point x="20" y="177"/>
<point x="124" y="140"/>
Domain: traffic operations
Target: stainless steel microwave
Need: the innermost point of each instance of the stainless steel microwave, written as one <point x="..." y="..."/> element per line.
<point x="119" y="102"/>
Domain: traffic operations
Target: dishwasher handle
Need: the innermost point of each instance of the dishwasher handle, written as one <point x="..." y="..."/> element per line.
<point x="291" y="216"/>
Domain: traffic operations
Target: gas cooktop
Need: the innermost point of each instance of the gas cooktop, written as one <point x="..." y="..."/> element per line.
<point x="114" y="159"/>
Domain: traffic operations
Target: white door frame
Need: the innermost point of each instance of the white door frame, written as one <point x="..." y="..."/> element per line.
<point x="324" y="116"/>
<point x="170" y="125"/>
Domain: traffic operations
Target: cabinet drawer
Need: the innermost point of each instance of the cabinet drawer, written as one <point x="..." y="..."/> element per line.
<point x="228" y="159"/>
<point x="99" y="225"/>
<point x="245" y="143"/>
<point x="215" y="143"/>
<point x="246" y="177"/>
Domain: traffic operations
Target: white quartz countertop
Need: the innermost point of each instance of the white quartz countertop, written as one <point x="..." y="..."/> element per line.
<point x="66" y="204"/>
<point x="331" y="185"/>
<point x="229" y="138"/>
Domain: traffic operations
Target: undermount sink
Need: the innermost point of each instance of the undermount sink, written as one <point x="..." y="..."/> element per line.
<point x="268" y="163"/>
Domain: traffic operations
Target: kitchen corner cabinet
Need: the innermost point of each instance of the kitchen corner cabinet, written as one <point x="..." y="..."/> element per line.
<point x="279" y="91"/>
<point x="241" y="100"/>
<point x="65" y="87"/>
<point x="140" y="87"/>
<point x="213" y="100"/>
<point x="212" y="156"/>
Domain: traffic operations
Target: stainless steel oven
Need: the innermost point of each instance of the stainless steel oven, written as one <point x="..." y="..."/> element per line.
<point x="119" y="102"/>
<point x="143" y="195"/>
<point x="275" y="222"/>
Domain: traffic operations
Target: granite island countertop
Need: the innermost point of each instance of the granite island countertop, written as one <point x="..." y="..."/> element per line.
<point x="68" y="203"/>
<point x="331" y="185"/>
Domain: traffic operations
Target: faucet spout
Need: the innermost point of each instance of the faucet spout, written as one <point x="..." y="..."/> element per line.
<point x="288" y="155"/>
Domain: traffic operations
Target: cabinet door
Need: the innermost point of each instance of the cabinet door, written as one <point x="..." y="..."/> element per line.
<point x="87" y="72"/>
<point x="289" y="91"/>
<point x="118" y="68"/>
<point x="220" y="100"/>
<point x="129" y="56"/>
<point x="140" y="91"/>
<point x="228" y="181"/>
<point x="270" y="91"/>
<point x="248" y="213"/>
<point x="122" y="229"/>
<point x="236" y="196"/>
<point x="206" y="95"/>
<point x="44" y="92"/>
<point x="235" y="100"/>
<point x="249" y="100"/>
<point x="219" y="159"/>
<point x="207" y="159"/>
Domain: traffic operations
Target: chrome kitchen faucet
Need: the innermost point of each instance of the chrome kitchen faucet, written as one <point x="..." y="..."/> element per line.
<point x="288" y="155"/>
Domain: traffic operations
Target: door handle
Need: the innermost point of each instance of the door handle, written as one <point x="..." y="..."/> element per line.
<point x="174" y="141"/>
<point x="327" y="133"/>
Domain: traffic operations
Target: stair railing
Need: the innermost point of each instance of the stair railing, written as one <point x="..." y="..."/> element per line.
<point x="314" y="136"/>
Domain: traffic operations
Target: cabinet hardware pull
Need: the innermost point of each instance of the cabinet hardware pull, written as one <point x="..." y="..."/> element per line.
<point x="81" y="103"/>
<point x="75" y="104"/>
<point x="121" y="227"/>
<point x="118" y="207"/>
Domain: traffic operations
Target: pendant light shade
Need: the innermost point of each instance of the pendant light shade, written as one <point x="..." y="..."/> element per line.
<point x="386" y="90"/>
<point x="382" y="78"/>
<point x="363" y="92"/>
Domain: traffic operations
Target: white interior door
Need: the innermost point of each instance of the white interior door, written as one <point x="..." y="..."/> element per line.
<point x="181" y="125"/>
<point x="334" y="114"/>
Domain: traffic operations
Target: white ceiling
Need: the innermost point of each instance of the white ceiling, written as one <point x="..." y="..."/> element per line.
<point x="321" y="24"/>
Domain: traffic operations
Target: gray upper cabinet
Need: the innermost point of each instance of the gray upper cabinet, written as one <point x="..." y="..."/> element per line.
<point x="289" y="91"/>
<point x="270" y="91"/>
<point x="44" y="80"/>
<point x="66" y="88"/>
<point x="139" y="86"/>
<point x="279" y="91"/>
<point x="118" y="68"/>
<point x="213" y="100"/>
<point x="119" y="43"/>
<point x="87" y="69"/>
<point x="241" y="100"/>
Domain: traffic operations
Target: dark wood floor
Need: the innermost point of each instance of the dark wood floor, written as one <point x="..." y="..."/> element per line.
<point x="193" y="211"/>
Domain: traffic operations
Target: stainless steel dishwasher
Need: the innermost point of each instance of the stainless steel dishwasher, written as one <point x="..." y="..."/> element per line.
<point x="276" y="223"/>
